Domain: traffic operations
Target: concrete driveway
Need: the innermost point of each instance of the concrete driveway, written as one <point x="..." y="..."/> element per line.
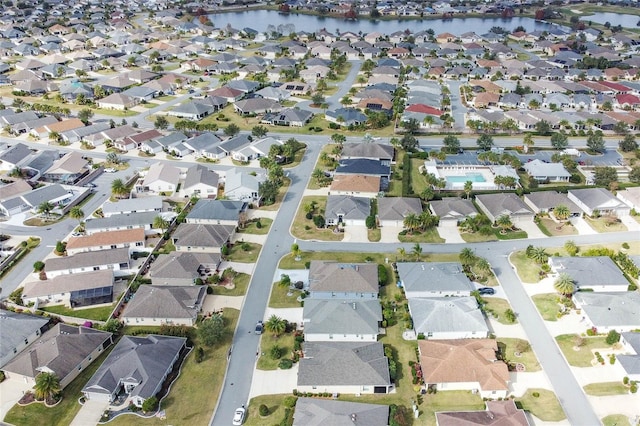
<point x="90" y="413"/>
<point x="274" y="382"/>
<point x="389" y="234"/>
<point x="531" y="229"/>
<point x="214" y="302"/>
<point x="356" y="234"/>
<point x="289" y="314"/>
<point x="582" y="226"/>
<point x="449" y="231"/>
<point x="11" y="390"/>
<point x="630" y="223"/>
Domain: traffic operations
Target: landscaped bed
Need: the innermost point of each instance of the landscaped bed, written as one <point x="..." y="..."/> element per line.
<point x="579" y="350"/>
<point x="306" y="229"/>
<point x="253" y="228"/>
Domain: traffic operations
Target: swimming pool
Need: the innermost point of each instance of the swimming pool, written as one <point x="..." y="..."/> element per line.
<point x="473" y="177"/>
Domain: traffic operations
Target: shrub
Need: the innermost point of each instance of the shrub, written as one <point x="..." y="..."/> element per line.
<point x="510" y="315"/>
<point x="263" y="410"/>
<point x="60" y="247"/>
<point x="285" y="364"/>
<point x="625" y="246"/>
<point x="536" y="394"/>
<point x="275" y="352"/>
<point x="199" y="354"/>
<point x="370" y="222"/>
<point x="319" y="221"/>
<point x="625" y="380"/>
<point x="309" y="215"/>
<point x="613" y="337"/>
<point x="259" y="225"/>
<point x="383" y="276"/>
<point x="245" y="246"/>
<point x="290" y="401"/>
<point x="592" y="331"/>
<point x="38" y="266"/>
<point x="149" y="404"/>
<point x="634" y="387"/>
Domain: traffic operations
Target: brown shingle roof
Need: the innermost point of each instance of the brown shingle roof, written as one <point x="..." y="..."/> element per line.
<point x="106" y="238"/>
<point x="356" y="183"/>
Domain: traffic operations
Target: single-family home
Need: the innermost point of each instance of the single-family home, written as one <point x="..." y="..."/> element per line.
<point x="608" y="311"/>
<point x="25" y="329"/>
<point x="137" y="366"/>
<point x="630" y="196"/>
<point x="501" y="204"/>
<point x="597" y="273"/>
<point x="448" y="318"/>
<point x="115" y="222"/>
<point x="372" y="151"/>
<point x="344" y="367"/>
<point x="200" y="182"/>
<point x="292" y="117"/>
<point x="132" y="205"/>
<point x="497" y="413"/>
<point x="118" y="101"/>
<point x="433" y="279"/>
<point x="133" y="239"/>
<point x="348" y="210"/>
<point x="464" y="364"/>
<point x="156" y="305"/>
<point x="451" y="209"/>
<point x="239" y="185"/>
<point x="344" y="281"/>
<point x="199" y="237"/>
<point x="546" y="201"/>
<point x="64" y="350"/>
<point x="345" y="117"/>
<point x="599" y="200"/>
<point x="546" y="172"/>
<point x="160" y="178"/>
<point x="68" y="169"/>
<point x="183" y="268"/>
<point x="341" y="320"/>
<point x="318" y="412"/>
<point x="358" y="185"/>
<point x="117" y="260"/>
<point x="629" y="362"/>
<point x="71" y="290"/>
<point x="393" y="210"/>
<point x="217" y="212"/>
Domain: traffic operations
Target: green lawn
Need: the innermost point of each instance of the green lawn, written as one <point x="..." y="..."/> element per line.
<point x="509" y="347"/>
<point x="280" y="299"/>
<point x="527" y="269"/>
<point x="552" y="229"/>
<point x="194" y="394"/>
<point x="301" y="223"/>
<point x="288" y="262"/>
<point x="297" y="158"/>
<point x="616" y="420"/>
<point x="603" y="224"/>
<point x="97" y="314"/>
<point x="606" y="389"/>
<point x="418" y="181"/>
<point x="428" y="236"/>
<point x="238" y="254"/>
<point x="546" y="406"/>
<point x="251" y="228"/>
<point x="374" y="235"/>
<point x="65" y="411"/>
<point x="241" y="283"/>
<point x="281" y="193"/>
<point x="498" y="307"/>
<point x="584" y="356"/>
<point x="548" y="306"/>
<point x="328" y="148"/>
<point x="276" y="410"/>
<point x="477" y="237"/>
<point x="268" y="341"/>
<point x="510" y="235"/>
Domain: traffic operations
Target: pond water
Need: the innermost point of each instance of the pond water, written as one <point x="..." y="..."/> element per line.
<point x="627" y="21"/>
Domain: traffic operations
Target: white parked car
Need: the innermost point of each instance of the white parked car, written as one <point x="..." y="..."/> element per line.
<point x="110" y="170"/>
<point x="238" y="416"/>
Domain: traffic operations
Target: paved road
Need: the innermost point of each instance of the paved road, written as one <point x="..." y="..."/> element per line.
<point x="458" y="110"/>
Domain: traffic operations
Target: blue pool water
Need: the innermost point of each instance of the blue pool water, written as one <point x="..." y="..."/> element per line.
<point x="473" y="177"/>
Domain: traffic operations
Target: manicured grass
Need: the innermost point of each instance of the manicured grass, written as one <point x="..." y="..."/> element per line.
<point x="553" y="229"/>
<point x="528" y="358"/>
<point x="606" y="389"/>
<point x="297" y="158"/>
<point x="65" y="411"/>
<point x="428" y="236"/>
<point x="238" y="254"/>
<point x="251" y="228"/>
<point x="166" y="98"/>
<point x="511" y="235"/>
<point x="547" y="304"/>
<point x="546" y="406"/>
<point x="584" y="356"/>
<point x="418" y="181"/>
<point x="477" y="237"/>
<point x="313" y="183"/>
<point x="114" y="112"/>
<point x="281" y="193"/>
<point x="374" y="235"/>
<point x="276" y="410"/>
<point x="616" y="420"/>
<point x="280" y="299"/>
<point x="241" y="283"/>
<point x="268" y="341"/>
<point x="98" y="314"/>
<point x="194" y="394"/>
<point x="603" y="224"/>
<point x="288" y="261"/>
<point x="300" y="222"/>
<point x="497" y="307"/>
<point x="527" y="269"/>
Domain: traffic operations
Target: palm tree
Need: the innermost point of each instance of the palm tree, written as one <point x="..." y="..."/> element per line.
<point x="77" y="214"/>
<point x="561" y="212"/>
<point x="47" y="386"/>
<point x="275" y="325"/>
<point x="427" y="194"/>
<point x="160" y="223"/>
<point x="468" y="188"/>
<point x="504" y="222"/>
<point x="45" y="208"/>
<point x="417" y="250"/>
<point x="118" y="188"/>
<point x="539" y="255"/>
<point x="411" y="222"/>
<point x="528" y="142"/>
<point x="402" y="252"/>
<point x="483" y="266"/>
<point x="467" y="256"/>
<point x="564" y="285"/>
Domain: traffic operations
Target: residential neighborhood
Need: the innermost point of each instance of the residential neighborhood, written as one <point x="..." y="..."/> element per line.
<point x="332" y="213"/>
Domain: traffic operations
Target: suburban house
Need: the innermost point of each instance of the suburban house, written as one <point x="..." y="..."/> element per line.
<point x="433" y="279"/>
<point x="597" y="273"/>
<point x="118" y="101"/>
<point x="160" y="178"/>
<point x="451" y="209"/>
<point x="133" y="239"/>
<point x="156" y="305"/>
<point x="372" y="151"/>
<point x="200" y="182"/>
<point x="546" y="201"/>
<point x="115" y="222"/>
<point x="629" y="362"/>
<point x="68" y="169"/>
<point x="241" y="186"/>
<point x="448" y="318"/>
<point x="630" y="196"/>
<point x="364" y="166"/>
<point x="360" y="185"/>
<point x="25" y="329"/>
<point x="183" y="268"/>
<point x="71" y="290"/>
<point x="132" y="205"/>
<point x="201" y="237"/>
<point x="138" y="366"/>
<point x="344" y="281"/>
<point x="464" y="364"/>
<point x="344" y="367"/>
<point x="393" y="210"/>
<point x="501" y="204"/>
<point x="497" y="413"/>
<point x="319" y="412"/>
<point x="292" y="117"/>
<point x="117" y="260"/>
<point x="608" y="311"/>
<point x="599" y="200"/>
<point x="216" y="212"/>
<point x="64" y="350"/>
<point x="348" y="210"/>
<point x="341" y="320"/>
<point x="546" y="172"/>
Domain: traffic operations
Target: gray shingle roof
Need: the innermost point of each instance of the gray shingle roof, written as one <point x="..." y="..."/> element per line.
<point x="216" y="210"/>
<point x="181" y="265"/>
<point x="341" y="277"/>
<point x="590" y="271"/>
<point x="447" y="314"/>
<point x="152" y="301"/>
<point x="141" y="204"/>
<point x="397" y="208"/>
<point x="546" y="200"/>
<point x="499" y="204"/>
<point x="321" y="412"/>
<point x="88" y="259"/>
<point x="121" y="220"/>
<point x="610" y="309"/>
<point x="348" y="207"/>
<point x="433" y="276"/>
<point x="453" y="208"/>
<point x="200" y="174"/>
<point x="341" y="316"/>
<point x="202" y="235"/>
<point x="68" y="283"/>
<point x="367" y="150"/>
<point x="343" y="364"/>
<point x="21" y="325"/>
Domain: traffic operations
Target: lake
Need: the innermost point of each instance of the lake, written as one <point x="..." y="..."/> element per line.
<point x="627" y="21"/>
